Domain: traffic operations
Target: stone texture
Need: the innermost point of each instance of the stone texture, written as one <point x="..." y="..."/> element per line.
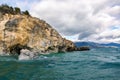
<point x="19" y="32"/>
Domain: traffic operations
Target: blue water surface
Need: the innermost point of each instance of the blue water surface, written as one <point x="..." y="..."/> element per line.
<point x="96" y="64"/>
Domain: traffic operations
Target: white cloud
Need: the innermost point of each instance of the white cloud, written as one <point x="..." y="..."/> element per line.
<point x="106" y="36"/>
<point x="73" y="37"/>
<point x="97" y="20"/>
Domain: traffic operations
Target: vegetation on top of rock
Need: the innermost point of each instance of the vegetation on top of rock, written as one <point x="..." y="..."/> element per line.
<point x="17" y="10"/>
<point x="26" y="13"/>
<point x="4" y="8"/>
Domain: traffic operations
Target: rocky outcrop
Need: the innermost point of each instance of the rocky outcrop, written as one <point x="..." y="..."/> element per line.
<point x="25" y="54"/>
<point x="83" y="48"/>
<point x="25" y="32"/>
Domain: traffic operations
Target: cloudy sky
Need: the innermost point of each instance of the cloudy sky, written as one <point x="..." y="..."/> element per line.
<point x="77" y="20"/>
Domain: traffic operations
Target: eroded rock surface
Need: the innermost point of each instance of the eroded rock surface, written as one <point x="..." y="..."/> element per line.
<point x="25" y="32"/>
<point x="25" y="54"/>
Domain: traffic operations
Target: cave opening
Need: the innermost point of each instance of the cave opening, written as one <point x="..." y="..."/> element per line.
<point x="15" y="49"/>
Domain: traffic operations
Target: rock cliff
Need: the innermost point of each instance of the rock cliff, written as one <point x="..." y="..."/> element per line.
<point x="19" y="32"/>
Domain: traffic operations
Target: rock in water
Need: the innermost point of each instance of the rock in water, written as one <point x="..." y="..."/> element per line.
<point x="27" y="55"/>
<point x="20" y="31"/>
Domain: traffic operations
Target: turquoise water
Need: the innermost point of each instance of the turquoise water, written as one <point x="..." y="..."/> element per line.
<point x="96" y="64"/>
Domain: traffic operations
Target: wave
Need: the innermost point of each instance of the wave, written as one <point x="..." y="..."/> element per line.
<point x="108" y="65"/>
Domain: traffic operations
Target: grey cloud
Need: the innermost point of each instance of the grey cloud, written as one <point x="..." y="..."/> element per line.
<point x="84" y="17"/>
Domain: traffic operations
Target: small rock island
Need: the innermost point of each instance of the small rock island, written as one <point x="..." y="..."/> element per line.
<point x="19" y="32"/>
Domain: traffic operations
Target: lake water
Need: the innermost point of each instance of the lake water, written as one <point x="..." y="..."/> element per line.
<point x="96" y="64"/>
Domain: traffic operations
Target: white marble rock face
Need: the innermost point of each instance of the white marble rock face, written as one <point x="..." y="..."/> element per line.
<point x="27" y="55"/>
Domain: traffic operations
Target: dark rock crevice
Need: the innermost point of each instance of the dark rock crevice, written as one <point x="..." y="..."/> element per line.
<point x="15" y="49"/>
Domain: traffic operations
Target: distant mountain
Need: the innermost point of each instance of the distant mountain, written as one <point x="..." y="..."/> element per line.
<point x="96" y="45"/>
<point x="90" y="44"/>
<point x="111" y="44"/>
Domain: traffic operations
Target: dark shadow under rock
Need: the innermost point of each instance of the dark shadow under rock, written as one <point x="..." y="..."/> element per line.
<point x="16" y="48"/>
